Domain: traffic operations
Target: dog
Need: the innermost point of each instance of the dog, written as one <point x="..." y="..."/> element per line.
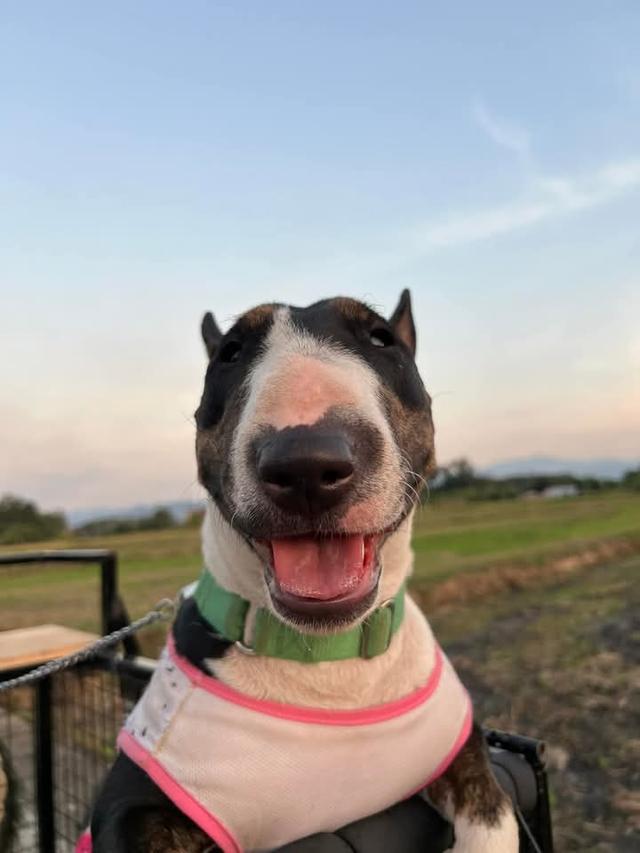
<point x="301" y="687"/>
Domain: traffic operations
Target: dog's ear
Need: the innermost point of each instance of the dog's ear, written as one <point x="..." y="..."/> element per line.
<point x="401" y="321"/>
<point x="211" y="334"/>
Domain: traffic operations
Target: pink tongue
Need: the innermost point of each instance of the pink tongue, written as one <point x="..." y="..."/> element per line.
<point x="319" y="568"/>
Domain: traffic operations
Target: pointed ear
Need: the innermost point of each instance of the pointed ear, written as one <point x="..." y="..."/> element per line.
<point x="211" y="334"/>
<point x="401" y="322"/>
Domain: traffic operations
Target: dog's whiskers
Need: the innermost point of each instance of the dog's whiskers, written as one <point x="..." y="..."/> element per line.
<point x="410" y="491"/>
<point x="233" y="517"/>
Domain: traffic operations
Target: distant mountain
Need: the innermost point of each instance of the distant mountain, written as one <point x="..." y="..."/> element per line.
<point x="180" y="510"/>
<point x="606" y="469"/>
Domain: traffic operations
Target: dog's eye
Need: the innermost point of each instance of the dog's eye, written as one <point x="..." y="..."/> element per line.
<point x="230" y="352"/>
<point x="381" y="337"/>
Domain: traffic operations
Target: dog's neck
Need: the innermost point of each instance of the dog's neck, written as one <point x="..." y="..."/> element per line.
<point x="342" y="684"/>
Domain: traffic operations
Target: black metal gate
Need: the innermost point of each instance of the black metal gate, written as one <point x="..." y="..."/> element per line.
<point x="59" y="732"/>
<point x="60" y="735"/>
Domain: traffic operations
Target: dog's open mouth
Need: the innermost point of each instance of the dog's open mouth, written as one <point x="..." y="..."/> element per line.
<point x="323" y="575"/>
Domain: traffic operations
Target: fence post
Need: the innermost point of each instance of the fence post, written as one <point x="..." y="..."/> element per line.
<point x="43" y="759"/>
<point x="109" y="590"/>
<point x="114" y="613"/>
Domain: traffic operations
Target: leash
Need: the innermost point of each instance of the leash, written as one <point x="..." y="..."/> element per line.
<point x="524" y="826"/>
<point x="162" y="612"/>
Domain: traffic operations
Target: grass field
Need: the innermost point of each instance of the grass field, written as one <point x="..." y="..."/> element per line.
<point x="537" y="602"/>
<point x="562" y="662"/>
<point x="453" y="540"/>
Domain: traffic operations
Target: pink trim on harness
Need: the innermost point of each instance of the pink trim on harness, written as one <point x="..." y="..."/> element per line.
<point x="182" y="799"/>
<point x="83" y="844"/>
<point x="451" y="756"/>
<point x="210" y="824"/>
<point x="319" y="716"/>
<point x="462" y="738"/>
<point x="213" y="750"/>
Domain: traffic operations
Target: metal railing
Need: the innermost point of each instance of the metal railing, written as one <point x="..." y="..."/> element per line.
<point x="113" y="613"/>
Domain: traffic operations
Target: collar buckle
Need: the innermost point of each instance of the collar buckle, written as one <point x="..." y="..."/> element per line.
<point x="377" y="630"/>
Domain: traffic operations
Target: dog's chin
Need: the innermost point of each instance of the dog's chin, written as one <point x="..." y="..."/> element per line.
<point x="322" y="583"/>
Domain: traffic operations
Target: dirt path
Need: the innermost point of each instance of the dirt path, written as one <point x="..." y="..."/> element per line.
<point x="562" y="662"/>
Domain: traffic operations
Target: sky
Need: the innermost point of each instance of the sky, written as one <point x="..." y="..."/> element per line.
<point x="158" y="160"/>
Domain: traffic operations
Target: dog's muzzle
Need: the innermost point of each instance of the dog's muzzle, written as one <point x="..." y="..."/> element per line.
<point x="306" y="471"/>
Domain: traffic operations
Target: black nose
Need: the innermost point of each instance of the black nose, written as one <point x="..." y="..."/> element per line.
<point x="305" y="471"/>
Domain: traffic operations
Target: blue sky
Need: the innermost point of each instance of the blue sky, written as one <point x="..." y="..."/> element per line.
<point x="159" y="159"/>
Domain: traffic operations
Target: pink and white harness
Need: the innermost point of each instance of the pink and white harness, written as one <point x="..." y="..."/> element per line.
<point x="255" y="775"/>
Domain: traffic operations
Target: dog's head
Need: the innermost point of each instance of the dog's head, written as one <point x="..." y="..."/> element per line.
<point x="314" y="435"/>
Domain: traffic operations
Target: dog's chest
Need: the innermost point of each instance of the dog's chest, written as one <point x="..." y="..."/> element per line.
<point x="256" y="775"/>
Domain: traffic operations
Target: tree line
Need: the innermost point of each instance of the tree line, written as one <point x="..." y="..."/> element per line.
<point x="459" y="477"/>
<point x="22" y="521"/>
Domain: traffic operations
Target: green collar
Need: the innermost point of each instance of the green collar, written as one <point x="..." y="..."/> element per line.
<point x="227" y="612"/>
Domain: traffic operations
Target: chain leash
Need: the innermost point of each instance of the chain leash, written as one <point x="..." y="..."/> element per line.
<point x="162" y="612"/>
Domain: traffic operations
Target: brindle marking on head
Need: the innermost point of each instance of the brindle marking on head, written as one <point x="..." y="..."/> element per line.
<point x="258" y="316"/>
<point x="414" y="432"/>
<point x="352" y="309"/>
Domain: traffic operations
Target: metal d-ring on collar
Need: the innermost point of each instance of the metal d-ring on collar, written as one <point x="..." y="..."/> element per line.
<point x="246" y="650"/>
<point x="379" y="627"/>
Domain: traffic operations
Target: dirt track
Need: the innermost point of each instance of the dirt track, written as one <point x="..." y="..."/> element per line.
<point x="562" y="662"/>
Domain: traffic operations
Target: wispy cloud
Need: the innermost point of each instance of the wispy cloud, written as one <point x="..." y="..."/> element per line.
<point x="503" y="132"/>
<point x="548" y="197"/>
<point x="545" y="197"/>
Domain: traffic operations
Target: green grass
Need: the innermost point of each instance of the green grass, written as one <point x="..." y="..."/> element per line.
<point x="153" y="565"/>
<point x="451" y="537"/>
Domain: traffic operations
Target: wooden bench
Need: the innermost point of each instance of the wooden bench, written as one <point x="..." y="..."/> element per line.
<point x="25" y="647"/>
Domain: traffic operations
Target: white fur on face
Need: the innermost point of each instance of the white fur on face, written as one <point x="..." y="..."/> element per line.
<point x="296" y="380"/>
<point x="230" y="560"/>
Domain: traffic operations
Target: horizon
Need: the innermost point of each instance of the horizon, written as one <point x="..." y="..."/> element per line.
<point x="553" y="466"/>
<point x="156" y="165"/>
